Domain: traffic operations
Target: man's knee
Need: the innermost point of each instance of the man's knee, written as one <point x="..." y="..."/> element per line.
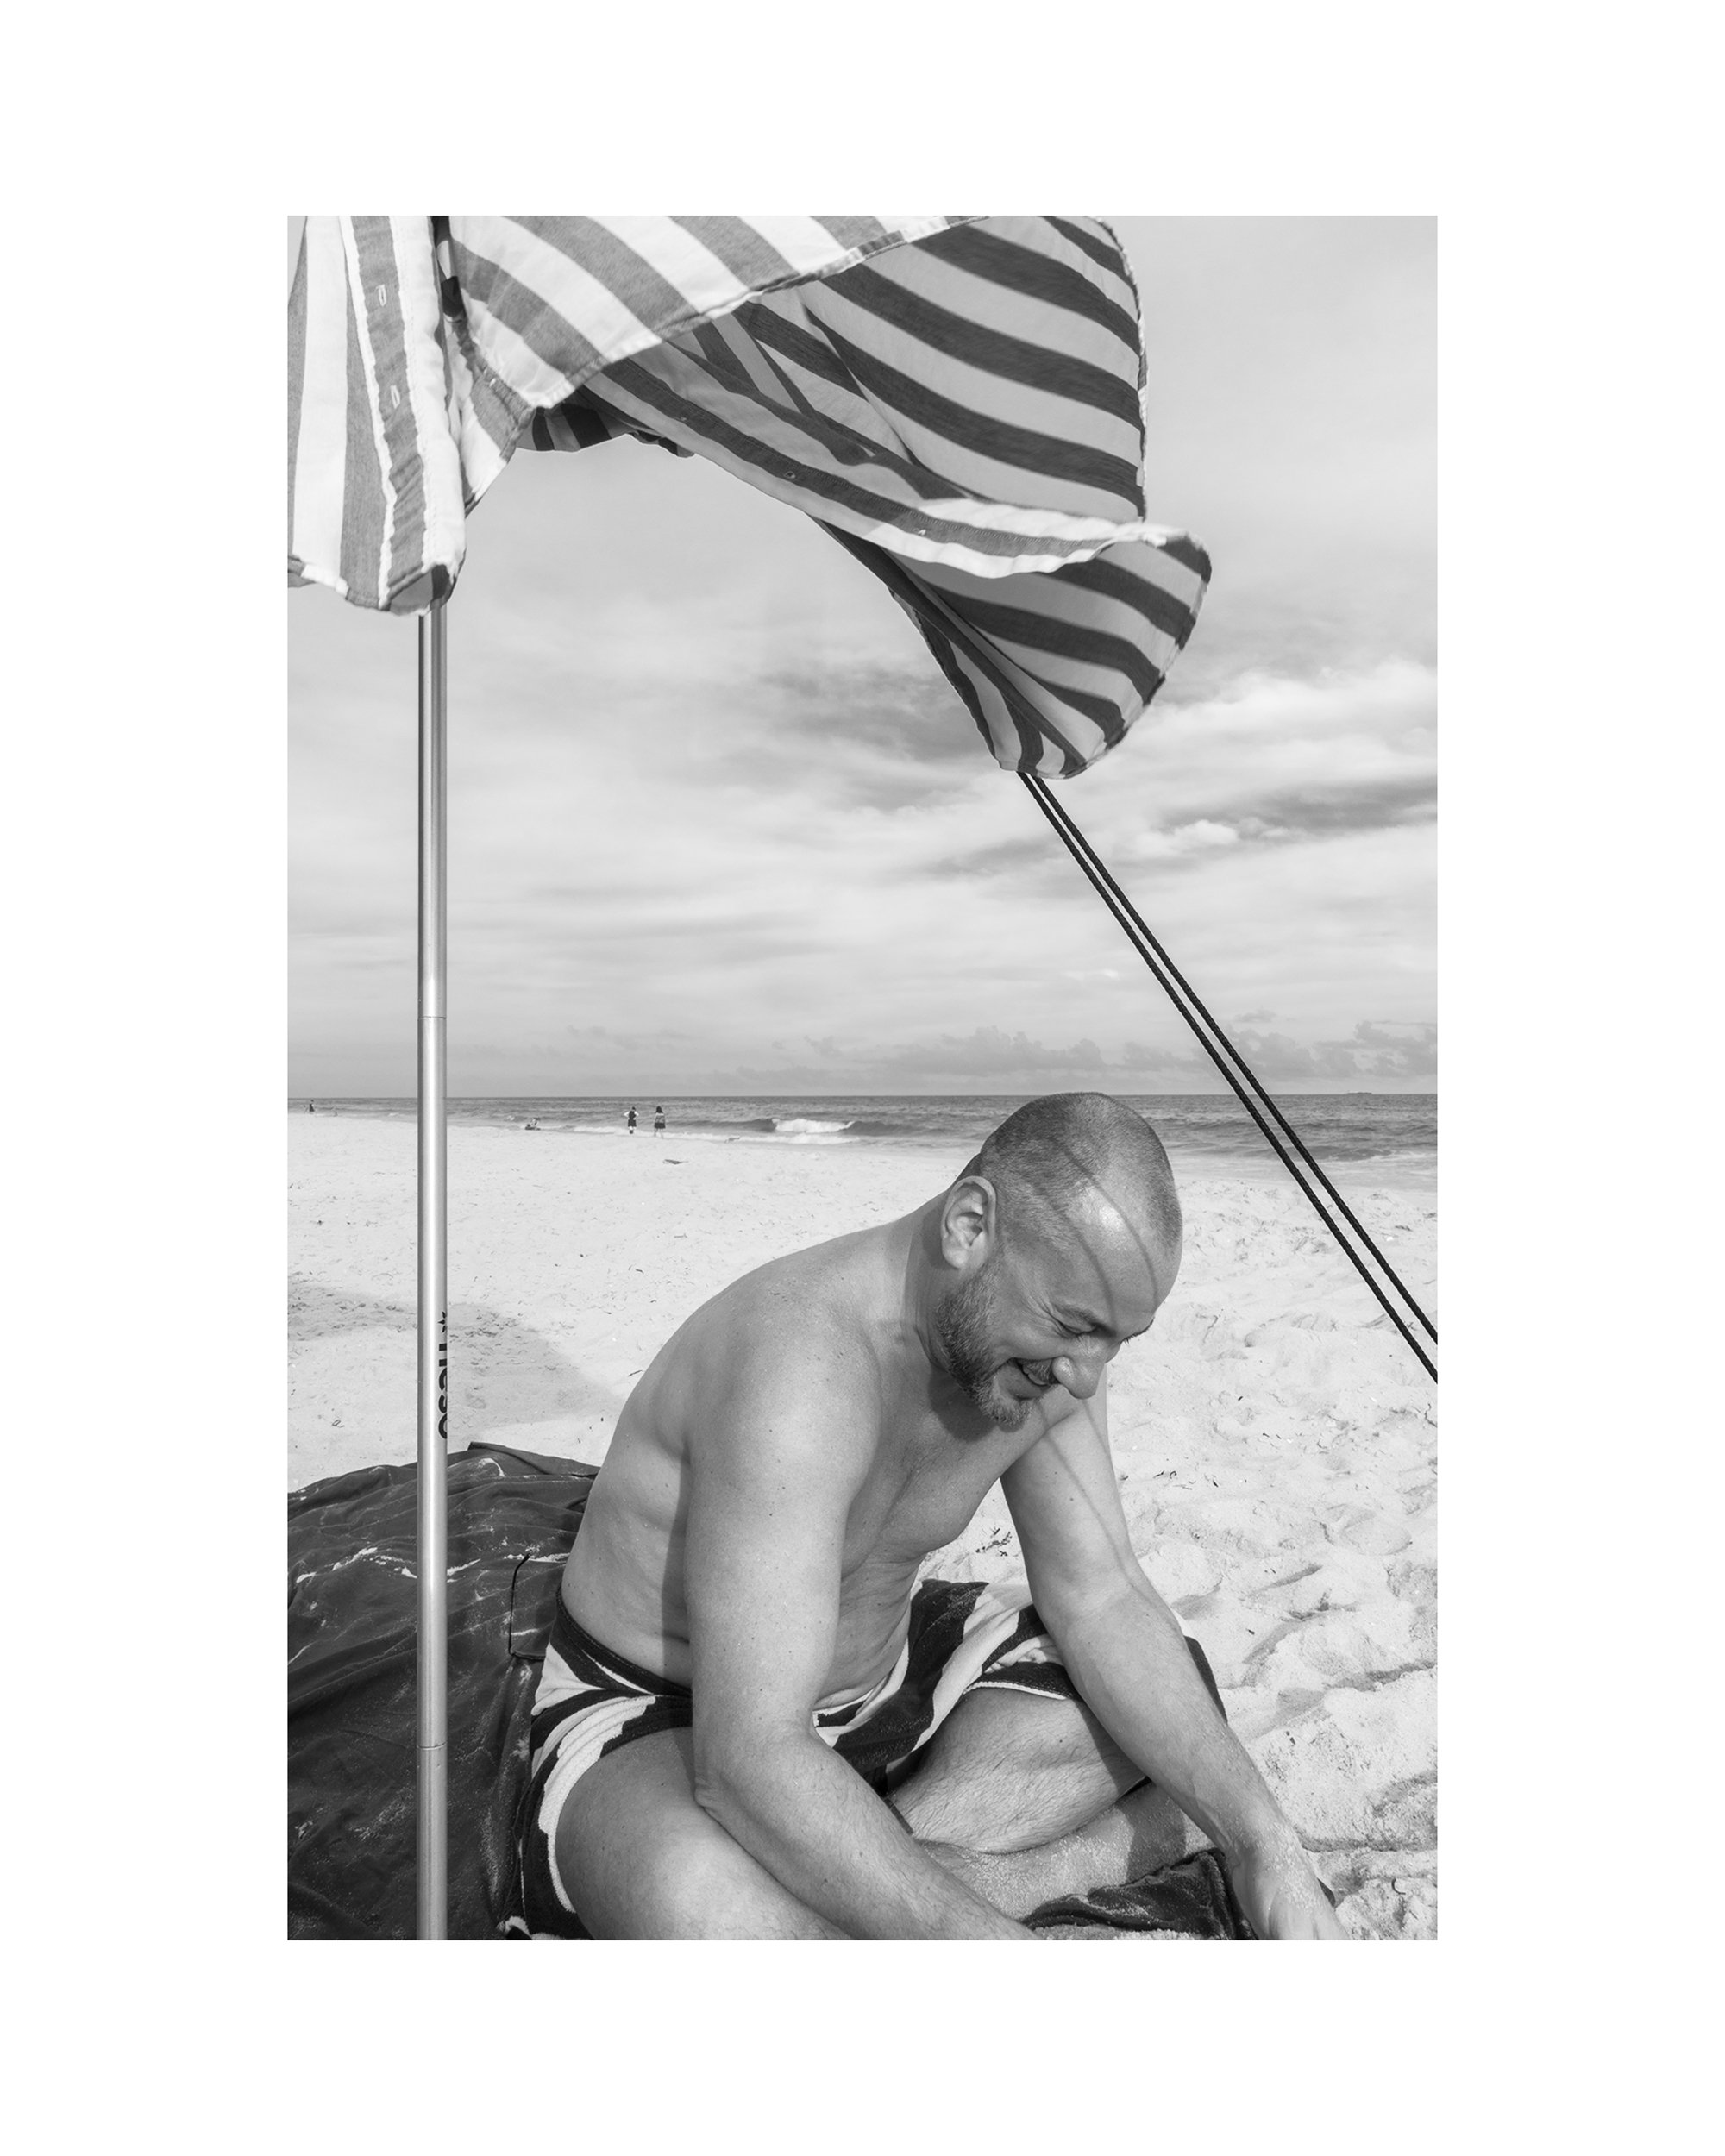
<point x="1009" y="1770"/>
<point x="706" y="1886"/>
<point x="665" y="1888"/>
<point x="995" y="1728"/>
<point x="640" y="1859"/>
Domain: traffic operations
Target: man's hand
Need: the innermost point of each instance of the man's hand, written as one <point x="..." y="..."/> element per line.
<point x="1280" y="1893"/>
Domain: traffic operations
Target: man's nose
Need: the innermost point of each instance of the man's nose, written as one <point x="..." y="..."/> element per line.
<point x="1082" y="1373"/>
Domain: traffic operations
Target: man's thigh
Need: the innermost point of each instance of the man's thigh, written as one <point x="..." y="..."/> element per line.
<point x="642" y="1860"/>
<point x="1009" y="1770"/>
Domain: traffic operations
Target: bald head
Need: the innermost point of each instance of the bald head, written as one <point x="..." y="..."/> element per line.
<point x="1072" y="1160"/>
<point x="1058" y="1244"/>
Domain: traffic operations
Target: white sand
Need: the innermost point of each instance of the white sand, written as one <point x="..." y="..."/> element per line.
<point x="1275" y="1438"/>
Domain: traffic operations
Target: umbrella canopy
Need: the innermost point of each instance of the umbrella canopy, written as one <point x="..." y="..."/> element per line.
<point x="958" y="401"/>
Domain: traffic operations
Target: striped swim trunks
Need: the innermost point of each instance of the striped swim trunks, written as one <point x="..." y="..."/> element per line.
<point x="964" y="1636"/>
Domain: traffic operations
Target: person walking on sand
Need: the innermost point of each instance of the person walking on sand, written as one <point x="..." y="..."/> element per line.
<point x="658" y="1123"/>
<point x="631" y="1122"/>
<point x="755" y="1721"/>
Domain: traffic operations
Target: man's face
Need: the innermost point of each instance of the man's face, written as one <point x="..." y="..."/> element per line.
<point x="1054" y="1310"/>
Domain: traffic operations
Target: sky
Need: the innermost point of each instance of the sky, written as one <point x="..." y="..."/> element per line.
<point x="718" y="825"/>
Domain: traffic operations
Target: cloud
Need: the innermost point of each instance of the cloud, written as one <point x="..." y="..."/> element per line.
<point x="1024" y="855"/>
<point x="1371" y="1051"/>
<point x="989" y="1059"/>
<point x="988" y="1052"/>
<point x="985" y="1060"/>
<point x="1395" y="1051"/>
<point x="602" y="1038"/>
<point x="1310" y="812"/>
<point x="899" y="728"/>
<point x="1276" y="758"/>
<point x="1197" y="836"/>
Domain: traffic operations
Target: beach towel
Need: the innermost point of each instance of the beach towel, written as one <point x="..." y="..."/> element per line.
<point x="352" y="1737"/>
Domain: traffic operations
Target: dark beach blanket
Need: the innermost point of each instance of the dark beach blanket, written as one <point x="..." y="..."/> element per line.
<point x="352" y="1739"/>
<point x="1191" y="1899"/>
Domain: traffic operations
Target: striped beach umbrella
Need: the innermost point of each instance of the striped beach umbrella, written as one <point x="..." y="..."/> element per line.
<point x="957" y="401"/>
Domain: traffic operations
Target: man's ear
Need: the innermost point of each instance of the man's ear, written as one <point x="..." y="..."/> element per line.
<point x="967" y="1222"/>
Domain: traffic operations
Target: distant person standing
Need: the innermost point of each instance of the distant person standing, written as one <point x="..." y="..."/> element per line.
<point x="631" y="1123"/>
<point x="311" y="1107"/>
<point x="658" y="1123"/>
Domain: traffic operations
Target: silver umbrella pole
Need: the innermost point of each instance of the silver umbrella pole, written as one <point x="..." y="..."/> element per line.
<point x="433" y="1839"/>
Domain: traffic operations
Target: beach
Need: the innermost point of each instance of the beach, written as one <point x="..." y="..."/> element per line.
<point x="1275" y="1440"/>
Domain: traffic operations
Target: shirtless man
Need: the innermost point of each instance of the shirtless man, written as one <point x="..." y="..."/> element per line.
<point x="748" y="1701"/>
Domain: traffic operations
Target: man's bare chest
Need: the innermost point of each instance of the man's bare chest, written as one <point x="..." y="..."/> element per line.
<point x="924" y="1489"/>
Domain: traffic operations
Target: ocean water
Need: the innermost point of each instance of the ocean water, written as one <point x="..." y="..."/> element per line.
<point x="1392" y="1136"/>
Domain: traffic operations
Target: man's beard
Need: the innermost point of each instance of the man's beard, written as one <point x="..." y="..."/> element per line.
<point x="961" y="1326"/>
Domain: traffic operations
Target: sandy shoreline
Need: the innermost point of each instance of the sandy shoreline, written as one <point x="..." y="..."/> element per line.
<point x="1276" y="1440"/>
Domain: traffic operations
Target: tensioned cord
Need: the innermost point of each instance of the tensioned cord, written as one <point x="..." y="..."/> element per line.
<point x="1064" y="824"/>
<point x="1227" y="1057"/>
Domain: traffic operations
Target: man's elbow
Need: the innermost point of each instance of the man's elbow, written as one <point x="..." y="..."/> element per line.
<point x="734" y="1774"/>
<point x="1106" y="1608"/>
<point x="1088" y="1583"/>
<point x="715" y="1780"/>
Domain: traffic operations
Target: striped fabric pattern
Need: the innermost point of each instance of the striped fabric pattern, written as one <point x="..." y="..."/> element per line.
<point x="419" y="349"/>
<point x="957" y="401"/>
<point x="375" y="505"/>
<point x="550" y="301"/>
<point x="1054" y="667"/>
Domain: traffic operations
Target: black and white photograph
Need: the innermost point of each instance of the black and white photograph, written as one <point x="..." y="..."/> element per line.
<point x="812" y="934"/>
<point x="863" y="1100"/>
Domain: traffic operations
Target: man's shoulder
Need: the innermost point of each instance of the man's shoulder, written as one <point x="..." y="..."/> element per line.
<point x="794" y="1340"/>
<point x="798" y="1339"/>
<point x="802" y="1313"/>
<point x="787" y="1382"/>
<point x="833" y="1283"/>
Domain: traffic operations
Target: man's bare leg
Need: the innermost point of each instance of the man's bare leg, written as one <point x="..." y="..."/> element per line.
<point x="1024" y="1797"/>
<point x="642" y="1860"/>
<point x="1021" y="1797"/>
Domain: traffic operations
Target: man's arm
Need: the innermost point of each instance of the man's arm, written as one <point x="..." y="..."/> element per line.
<point x="773" y="1482"/>
<point x="1129" y="1660"/>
